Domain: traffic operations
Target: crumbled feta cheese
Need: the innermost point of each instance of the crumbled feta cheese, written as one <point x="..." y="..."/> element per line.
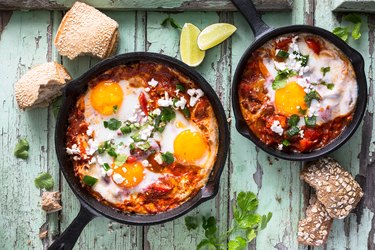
<point x="276" y="127"/>
<point x="195" y="94"/>
<point x="124" y="169"/>
<point x="92" y="147"/>
<point x="303" y="82"/>
<point x="89" y="131"/>
<point x="73" y="150"/>
<point x="166" y="101"/>
<point x="76" y="158"/>
<point x="103" y="173"/>
<point x="153" y="83"/>
<point x="280" y="147"/>
<point x="158" y="158"/>
<point x="181" y="103"/>
<point x="280" y="65"/>
<point x="145" y="163"/>
<point x="110" y="172"/>
<point x="93" y="160"/>
<point x="177" y="91"/>
<point x="146" y="132"/>
<point x="117" y="178"/>
<point x="147" y="89"/>
<point x="156" y="111"/>
<point x="301" y="133"/>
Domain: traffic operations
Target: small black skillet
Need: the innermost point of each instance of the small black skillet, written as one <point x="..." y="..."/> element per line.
<point x="263" y="34"/>
<point x="90" y="207"/>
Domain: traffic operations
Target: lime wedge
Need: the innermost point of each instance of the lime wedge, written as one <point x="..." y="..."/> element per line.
<point x="189" y="50"/>
<point x="214" y="34"/>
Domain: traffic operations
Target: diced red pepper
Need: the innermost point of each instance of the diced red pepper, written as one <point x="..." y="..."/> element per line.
<point x="311" y="134"/>
<point x="313" y="45"/>
<point x="283" y="44"/>
<point x="143" y="102"/>
<point x="305" y="144"/>
<point x="131" y="159"/>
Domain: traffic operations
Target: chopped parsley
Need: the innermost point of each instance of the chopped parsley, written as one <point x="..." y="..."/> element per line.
<point x="144" y="146"/>
<point x="293" y="120"/>
<point x="112" y="124"/>
<point x="286" y="143"/>
<point x="120" y="159"/>
<point x="313" y="94"/>
<point x="281" y="77"/>
<point x="167" y="114"/>
<point x="172" y="22"/>
<point x="302" y="58"/>
<point x="282" y="54"/>
<point x="106" y="166"/>
<point x="89" y="180"/>
<point x="115" y="109"/>
<point x="167" y="157"/>
<point x="180" y="87"/>
<point x="329" y="86"/>
<point x="186" y="112"/>
<point x="126" y="129"/>
<point x="292" y="131"/>
<point x="302" y="111"/>
<point x="310" y="121"/>
<point x="325" y="70"/>
<point x="44" y="180"/>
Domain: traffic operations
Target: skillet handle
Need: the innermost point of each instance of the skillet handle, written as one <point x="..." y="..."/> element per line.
<point x="68" y="238"/>
<point x="248" y="10"/>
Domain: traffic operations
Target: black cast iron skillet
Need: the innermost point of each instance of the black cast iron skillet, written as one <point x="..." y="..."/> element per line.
<point x="263" y="34"/>
<point x="90" y="207"/>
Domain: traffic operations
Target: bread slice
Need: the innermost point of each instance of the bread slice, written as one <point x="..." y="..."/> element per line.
<point x="335" y="188"/>
<point x="40" y="85"/>
<point x="314" y="229"/>
<point x="85" y="30"/>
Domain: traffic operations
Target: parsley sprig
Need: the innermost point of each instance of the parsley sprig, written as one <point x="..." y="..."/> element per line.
<point x="281" y="77"/>
<point x="245" y="225"/>
<point x="343" y="31"/>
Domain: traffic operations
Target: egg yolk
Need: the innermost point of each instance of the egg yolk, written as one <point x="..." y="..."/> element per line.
<point x="289" y="99"/>
<point x="105" y="95"/>
<point x="132" y="174"/>
<point x="189" y="146"/>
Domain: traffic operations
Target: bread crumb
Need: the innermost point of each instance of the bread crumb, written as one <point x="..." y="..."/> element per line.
<point x="51" y="202"/>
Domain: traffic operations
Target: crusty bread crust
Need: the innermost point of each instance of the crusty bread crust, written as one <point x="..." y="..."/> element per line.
<point x="40" y="85"/>
<point x="314" y="229"/>
<point x="85" y="30"/>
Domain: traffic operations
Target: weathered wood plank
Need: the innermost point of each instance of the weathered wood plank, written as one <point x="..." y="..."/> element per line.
<point x="216" y="70"/>
<point x="23" y="45"/>
<point x="361" y="6"/>
<point x="165" y="5"/>
<point x="101" y="233"/>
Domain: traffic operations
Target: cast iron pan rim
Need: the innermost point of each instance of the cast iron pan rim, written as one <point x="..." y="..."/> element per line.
<point x="209" y="191"/>
<point x="358" y="64"/>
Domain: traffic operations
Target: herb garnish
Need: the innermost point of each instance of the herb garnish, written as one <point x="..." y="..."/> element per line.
<point x="126" y="129"/>
<point x="108" y="147"/>
<point x="22" y="149"/>
<point x="245" y="226"/>
<point x="186" y="112"/>
<point x="120" y="159"/>
<point x="310" y="121"/>
<point x="292" y="131"/>
<point x="115" y="109"/>
<point x="144" y="146"/>
<point x="172" y="22"/>
<point x="44" y="180"/>
<point x="313" y="94"/>
<point x="329" y="86"/>
<point x="180" y="87"/>
<point x="286" y="143"/>
<point x="167" y="157"/>
<point x="302" y="111"/>
<point x="89" y="180"/>
<point x="293" y="120"/>
<point x="281" y="77"/>
<point x="302" y="58"/>
<point x="106" y="166"/>
<point x="282" y="54"/>
<point x="325" y="70"/>
<point x="343" y="32"/>
<point x="112" y="124"/>
<point x="167" y="114"/>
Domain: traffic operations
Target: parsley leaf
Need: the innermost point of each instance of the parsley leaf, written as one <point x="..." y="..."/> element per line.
<point x="89" y="180"/>
<point x="281" y="77"/>
<point x="313" y="94"/>
<point x="115" y="109"/>
<point x="282" y="54"/>
<point x="172" y="22"/>
<point x="167" y="114"/>
<point x="293" y="120"/>
<point x="186" y="112"/>
<point x="120" y="159"/>
<point x="325" y="70"/>
<point x="302" y="58"/>
<point x="22" y="149"/>
<point x="286" y="143"/>
<point x="191" y="222"/>
<point x="167" y="157"/>
<point x="292" y="131"/>
<point x="237" y="244"/>
<point x="44" y="180"/>
<point x="342" y="32"/>
<point x="126" y="129"/>
<point x="310" y="121"/>
<point x="180" y="87"/>
<point x="112" y="124"/>
<point x="302" y="111"/>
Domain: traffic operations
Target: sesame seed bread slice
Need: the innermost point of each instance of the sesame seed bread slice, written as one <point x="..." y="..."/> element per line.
<point x="314" y="229"/>
<point x="85" y="30"/>
<point x="336" y="189"/>
<point x="40" y="85"/>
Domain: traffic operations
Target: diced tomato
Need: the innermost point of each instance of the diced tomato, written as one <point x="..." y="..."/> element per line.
<point x="283" y="44"/>
<point x="263" y="69"/>
<point x="305" y="144"/>
<point x="314" y="45"/>
<point x="311" y="134"/>
<point x="143" y="102"/>
<point x="131" y="159"/>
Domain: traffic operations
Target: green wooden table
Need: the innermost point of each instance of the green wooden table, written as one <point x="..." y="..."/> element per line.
<point x="25" y="41"/>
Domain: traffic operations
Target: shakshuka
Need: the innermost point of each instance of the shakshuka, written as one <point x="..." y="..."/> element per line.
<point x="143" y="138"/>
<point x="298" y="92"/>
